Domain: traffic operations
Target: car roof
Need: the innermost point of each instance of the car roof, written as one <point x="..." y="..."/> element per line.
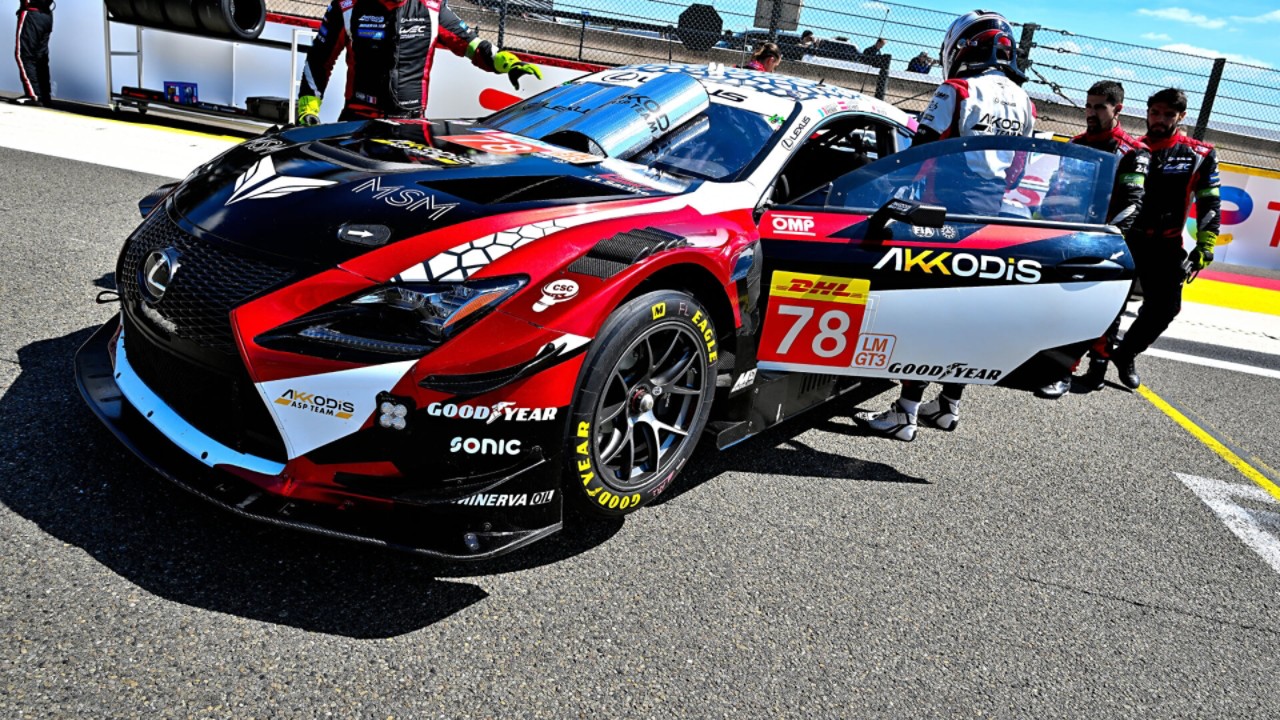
<point x="821" y="99"/>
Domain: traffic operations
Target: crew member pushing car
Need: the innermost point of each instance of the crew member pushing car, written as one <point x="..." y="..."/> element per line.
<point x="390" y="45"/>
<point x="31" y="47"/>
<point x="1102" y="109"/>
<point x="982" y="95"/>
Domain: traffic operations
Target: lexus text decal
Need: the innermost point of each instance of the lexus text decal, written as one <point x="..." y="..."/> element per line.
<point x="960" y="264"/>
<point x="320" y="404"/>
<point x="814" y="320"/>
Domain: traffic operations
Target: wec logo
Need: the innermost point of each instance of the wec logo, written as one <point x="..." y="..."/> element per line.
<point x="990" y="267"/>
<point x="792" y="225"/>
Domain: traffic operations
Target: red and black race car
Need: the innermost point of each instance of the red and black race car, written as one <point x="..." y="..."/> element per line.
<point x="433" y="335"/>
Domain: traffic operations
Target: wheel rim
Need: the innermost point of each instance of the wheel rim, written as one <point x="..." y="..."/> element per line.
<point x="649" y="404"/>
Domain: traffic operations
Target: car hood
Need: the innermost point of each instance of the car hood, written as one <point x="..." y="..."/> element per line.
<point x="322" y="195"/>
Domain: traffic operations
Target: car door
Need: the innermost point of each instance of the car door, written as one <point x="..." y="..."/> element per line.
<point x="867" y="277"/>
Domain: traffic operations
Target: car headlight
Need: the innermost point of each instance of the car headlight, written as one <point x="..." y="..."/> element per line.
<point x="397" y="319"/>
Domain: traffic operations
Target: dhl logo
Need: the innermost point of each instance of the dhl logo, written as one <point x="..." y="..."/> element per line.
<point x="803" y="286"/>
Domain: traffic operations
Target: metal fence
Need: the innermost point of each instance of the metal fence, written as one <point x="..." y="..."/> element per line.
<point x="1234" y="105"/>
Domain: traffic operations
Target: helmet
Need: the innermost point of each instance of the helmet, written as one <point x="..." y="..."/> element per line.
<point x="978" y="41"/>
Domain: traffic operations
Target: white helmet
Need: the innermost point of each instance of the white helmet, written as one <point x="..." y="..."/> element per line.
<point x="978" y="41"/>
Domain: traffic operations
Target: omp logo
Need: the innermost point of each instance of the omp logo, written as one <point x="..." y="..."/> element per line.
<point x="803" y="286"/>
<point x="947" y="262"/>
<point x="792" y="225"/>
<point x="341" y="409"/>
<point x="262" y="182"/>
<point x="408" y="198"/>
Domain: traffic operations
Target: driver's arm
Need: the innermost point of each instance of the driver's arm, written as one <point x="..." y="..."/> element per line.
<point x="938" y="120"/>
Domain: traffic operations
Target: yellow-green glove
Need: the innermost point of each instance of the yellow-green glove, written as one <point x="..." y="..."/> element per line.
<point x="308" y="110"/>
<point x="506" y="63"/>
<point x="1202" y="255"/>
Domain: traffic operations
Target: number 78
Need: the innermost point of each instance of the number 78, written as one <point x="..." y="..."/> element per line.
<point x="832" y="327"/>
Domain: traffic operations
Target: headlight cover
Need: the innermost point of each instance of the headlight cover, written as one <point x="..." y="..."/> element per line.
<point x="396" y="320"/>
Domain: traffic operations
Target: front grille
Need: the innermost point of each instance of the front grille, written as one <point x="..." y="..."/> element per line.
<point x="212" y="280"/>
<point x="222" y="404"/>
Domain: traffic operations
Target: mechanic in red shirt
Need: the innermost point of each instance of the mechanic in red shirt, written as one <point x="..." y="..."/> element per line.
<point x="982" y="95"/>
<point x="31" y="48"/>
<point x="390" y="45"/>
<point x="1103" y="104"/>
<point x="1183" y="171"/>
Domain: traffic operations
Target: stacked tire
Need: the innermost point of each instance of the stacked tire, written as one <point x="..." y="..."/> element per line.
<point x="234" y="19"/>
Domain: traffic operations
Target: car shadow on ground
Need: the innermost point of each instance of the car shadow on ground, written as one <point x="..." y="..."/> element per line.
<point x="65" y="472"/>
<point x="780" y="451"/>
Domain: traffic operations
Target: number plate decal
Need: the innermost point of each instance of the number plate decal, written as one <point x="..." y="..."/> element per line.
<point x="813" y="320"/>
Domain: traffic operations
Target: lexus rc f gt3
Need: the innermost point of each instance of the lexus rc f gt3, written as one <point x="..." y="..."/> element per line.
<point x="435" y="335"/>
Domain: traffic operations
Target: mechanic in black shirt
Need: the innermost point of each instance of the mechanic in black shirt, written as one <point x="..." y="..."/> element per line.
<point x="1103" y="104"/>
<point x="390" y="45"/>
<point x="1183" y="171"/>
<point x="31" y="46"/>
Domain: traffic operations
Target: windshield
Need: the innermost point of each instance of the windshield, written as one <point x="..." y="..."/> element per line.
<point x="717" y="144"/>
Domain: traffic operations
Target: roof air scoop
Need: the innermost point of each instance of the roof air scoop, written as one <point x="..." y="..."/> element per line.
<point x="629" y="123"/>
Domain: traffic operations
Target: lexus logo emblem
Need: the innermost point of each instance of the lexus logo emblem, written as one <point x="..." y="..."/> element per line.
<point x="157" y="272"/>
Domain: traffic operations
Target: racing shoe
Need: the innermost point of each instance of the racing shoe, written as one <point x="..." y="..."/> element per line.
<point x="894" y="422"/>
<point x="1096" y="376"/>
<point x="1055" y="390"/>
<point x="1128" y="373"/>
<point x="941" y="412"/>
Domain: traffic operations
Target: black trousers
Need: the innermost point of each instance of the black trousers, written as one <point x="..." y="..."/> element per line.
<point x="914" y="390"/>
<point x="32" y="51"/>
<point x="1159" y="265"/>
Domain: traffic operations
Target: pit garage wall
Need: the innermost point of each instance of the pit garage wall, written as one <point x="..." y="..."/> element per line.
<point x="228" y="72"/>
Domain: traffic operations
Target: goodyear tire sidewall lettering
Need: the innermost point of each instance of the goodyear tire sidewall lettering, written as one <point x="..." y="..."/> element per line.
<point x="582" y="478"/>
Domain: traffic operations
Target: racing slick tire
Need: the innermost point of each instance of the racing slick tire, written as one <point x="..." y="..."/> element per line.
<point x="643" y="399"/>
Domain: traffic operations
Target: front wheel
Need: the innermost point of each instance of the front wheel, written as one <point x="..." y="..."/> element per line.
<point x="642" y="401"/>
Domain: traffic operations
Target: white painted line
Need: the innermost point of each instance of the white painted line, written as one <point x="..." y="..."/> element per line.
<point x="1210" y="362"/>
<point x="1247" y="523"/>
<point x="112" y="143"/>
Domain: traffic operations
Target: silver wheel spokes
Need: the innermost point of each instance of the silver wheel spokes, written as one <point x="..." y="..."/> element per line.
<point x="648" y="405"/>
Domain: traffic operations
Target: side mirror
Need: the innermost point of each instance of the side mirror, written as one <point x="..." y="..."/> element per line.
<point x="908" y="211"/>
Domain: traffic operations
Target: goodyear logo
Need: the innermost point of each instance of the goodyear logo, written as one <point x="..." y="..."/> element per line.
<point x="829" y="288"/>
<point x="310" y="402"/>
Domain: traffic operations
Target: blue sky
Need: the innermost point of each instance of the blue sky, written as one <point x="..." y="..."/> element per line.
<point x="1241" y="30"/>
<point x="1244" y="31"/>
